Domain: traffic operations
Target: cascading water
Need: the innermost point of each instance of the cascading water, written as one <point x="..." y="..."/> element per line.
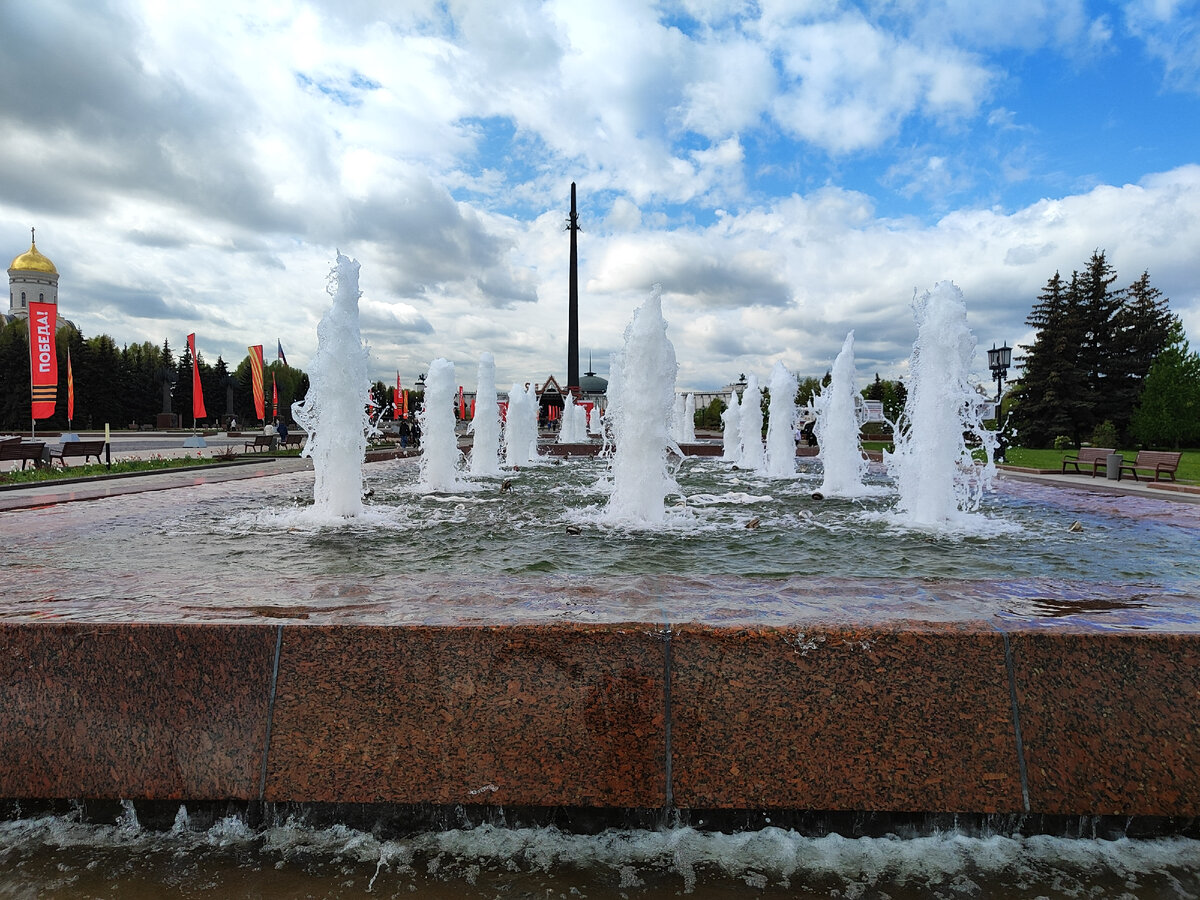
<point x="677" y="415"/>
<point x="688" y="431"/>
<point x="939" y="481"/>
<point x="334" y="410"/>
<point x="574" y="422"/>
<point x="839" y="414"/>
<point x="485" y="426"/>
<point x="781" y="427"/>
<point x="641" y="395"/>
<point x="731" y="429"/>
<point x="752" y="454"/>
<point x="440" y="456"/>
<point x="520" y="427"/>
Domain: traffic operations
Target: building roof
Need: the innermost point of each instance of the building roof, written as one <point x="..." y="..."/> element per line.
<point x="33" y="261"/>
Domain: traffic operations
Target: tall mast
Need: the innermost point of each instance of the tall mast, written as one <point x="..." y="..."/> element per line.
<point x="573" y="303"/>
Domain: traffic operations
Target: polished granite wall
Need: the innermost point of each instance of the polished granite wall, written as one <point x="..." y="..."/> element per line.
<point x="1059" y="717"/>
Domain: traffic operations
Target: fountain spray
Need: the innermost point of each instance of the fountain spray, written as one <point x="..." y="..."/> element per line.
<point x="485" y="425"/>
<point x="938" y="478"/>
<point x="640" y="412"/>
<point x="334" y="413"/>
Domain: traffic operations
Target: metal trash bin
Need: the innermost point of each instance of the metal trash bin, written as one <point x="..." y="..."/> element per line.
<point x="1115" y="461"/>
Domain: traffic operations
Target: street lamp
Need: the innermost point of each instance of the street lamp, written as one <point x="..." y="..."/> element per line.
<point x="999" y="359"/>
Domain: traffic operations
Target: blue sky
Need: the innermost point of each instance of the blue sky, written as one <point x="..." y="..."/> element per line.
<point x="788" y="170"/>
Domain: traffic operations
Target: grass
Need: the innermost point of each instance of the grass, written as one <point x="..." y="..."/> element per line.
<point x="36" y="475"/>
<point x="1189" y="463"/>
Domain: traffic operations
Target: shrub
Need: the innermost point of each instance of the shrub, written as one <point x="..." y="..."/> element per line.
<point x="1062" y="442"/>
<point x="1105" y="435"/>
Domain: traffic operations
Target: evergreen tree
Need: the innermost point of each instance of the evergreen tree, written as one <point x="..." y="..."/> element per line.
<point x="1168" y="414"/>
<point x="1051" y="384"/>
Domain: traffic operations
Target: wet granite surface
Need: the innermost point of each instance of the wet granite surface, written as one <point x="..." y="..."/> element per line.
<point x="517" y="715"/>
<point x="644" y="692"/>
<point x="133" y="711"/>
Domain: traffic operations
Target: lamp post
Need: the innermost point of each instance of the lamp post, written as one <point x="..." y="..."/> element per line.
<point x="999" y="359"/>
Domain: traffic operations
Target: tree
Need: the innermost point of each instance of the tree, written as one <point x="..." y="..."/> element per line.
<point x="1168" y="413"/>
<point x="1053" y="396"/>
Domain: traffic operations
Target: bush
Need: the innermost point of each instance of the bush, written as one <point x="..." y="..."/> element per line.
<point x="1062" y="442"/>
<point x="1105" y="435"/>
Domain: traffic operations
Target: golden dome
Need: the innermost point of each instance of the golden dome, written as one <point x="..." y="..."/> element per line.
<point x="33" y="261"/>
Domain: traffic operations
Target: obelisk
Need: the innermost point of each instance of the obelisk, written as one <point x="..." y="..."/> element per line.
<point x="573" y="303"/>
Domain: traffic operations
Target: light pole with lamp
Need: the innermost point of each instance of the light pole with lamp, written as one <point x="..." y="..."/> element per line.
<point x="999" y="359"/>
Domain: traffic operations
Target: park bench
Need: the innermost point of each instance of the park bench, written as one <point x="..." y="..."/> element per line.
<point x="76" y="450"/>
<point x="262" y="442"/>
<point x="15" y="448"/>
<point x="1095" y="458"/>
<point x="1158" y="462"/>
<point x="293" y="440"/>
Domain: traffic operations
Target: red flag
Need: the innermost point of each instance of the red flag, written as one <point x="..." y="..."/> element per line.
<point x="274" y="396"/>
<point x="397" y="399"/>
<point x="70" y="389"/>
<point x="197" y="391"/>
<point x="256" y="378"/>
<point x="473" y="407"/>
<point x="43" y="361"/>
<point x="462" y="404"/>
<point x="406" y="404"/>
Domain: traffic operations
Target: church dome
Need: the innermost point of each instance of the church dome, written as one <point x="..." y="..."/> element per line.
<point x="33" y="261"/>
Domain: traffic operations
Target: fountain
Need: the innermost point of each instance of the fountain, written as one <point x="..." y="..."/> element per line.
<point x="781" y="425"/>
<point x="485" y="425"/>
<point x="440" y="456"/>
<point x="574" y="423"/>
<point x="752" y="455"/>
<point x="688" y="432"/>
<point x="839" y="412"/>
<point x="936" y="474"/>
<point x="334" y="411"/>
<point x="568" y="642"/>
<point x="731" y="429"/>
<point x="640" y="411"/>
<point x="520" y="427"/>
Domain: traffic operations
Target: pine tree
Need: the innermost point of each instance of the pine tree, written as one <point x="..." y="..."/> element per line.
<point x="1053" y="397"/>
<point x="1168" y="413"/>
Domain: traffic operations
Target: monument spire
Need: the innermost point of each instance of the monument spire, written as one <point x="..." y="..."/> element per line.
<point x="573" y="303"/>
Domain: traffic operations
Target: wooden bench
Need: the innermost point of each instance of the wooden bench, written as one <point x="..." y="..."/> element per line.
<point x="1094" y="457"/>
<point x="263" y="441"/>
<point x="1158" y="462"/>
<point x="293" y="440"/>
<point x="15" y="448"/>
<point x="76" y="450"/>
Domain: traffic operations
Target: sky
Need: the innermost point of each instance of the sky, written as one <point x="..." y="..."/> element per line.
<point x="787" y="170"/>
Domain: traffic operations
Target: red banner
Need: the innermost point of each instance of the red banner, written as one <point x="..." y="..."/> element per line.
<point x="406" y="404"/>
<point x="70" y="389"/>
<point x="274" y="396"/>
<point x="256" y="379"/>
<point x="197" y="391"/>
<point x="462" y="404"/>
<point x="43" y="361"/>
<point x="397" y="399"/>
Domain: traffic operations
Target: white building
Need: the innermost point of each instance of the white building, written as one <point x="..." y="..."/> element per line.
<point x="32" y="278"/>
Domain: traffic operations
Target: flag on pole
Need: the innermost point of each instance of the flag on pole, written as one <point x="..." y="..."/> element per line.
<point x="256" y="379"/>
<point x="43" y="360"/>
<point x="198" y="411"/>
<point x="406" y="404"/>
<point x="462" y="404"/>
<point x="396" y="399"/>
<point x="282" y="358"/>
<point x="274" y="396"/>
<point x="70" y="390"/>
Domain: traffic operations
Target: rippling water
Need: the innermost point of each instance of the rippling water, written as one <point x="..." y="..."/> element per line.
<point x="545" y="520"/>
<point x="58" y="857"/>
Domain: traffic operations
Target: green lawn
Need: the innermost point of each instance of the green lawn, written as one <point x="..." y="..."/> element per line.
<point x="1189" y="464"/>
<point x="39" y="474"/>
